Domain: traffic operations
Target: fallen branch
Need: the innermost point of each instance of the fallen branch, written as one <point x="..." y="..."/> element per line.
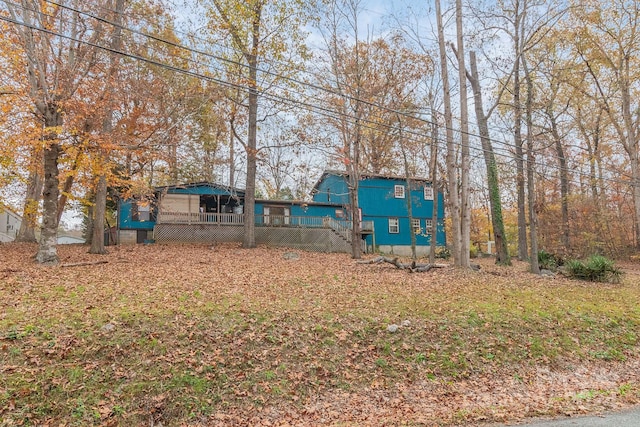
<point x="78" y="264"/>
<point x="377" y="260"/>
<point x="412" y="267"/>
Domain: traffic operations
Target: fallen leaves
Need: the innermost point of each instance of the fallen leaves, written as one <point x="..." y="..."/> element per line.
<point x="183" y="335"/>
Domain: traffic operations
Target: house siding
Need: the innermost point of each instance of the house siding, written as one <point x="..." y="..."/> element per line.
<point x="377" y="204"/>
<point x="126" y="221"/>
<point x="9" y="224"/>
<point x="377" y="201"/>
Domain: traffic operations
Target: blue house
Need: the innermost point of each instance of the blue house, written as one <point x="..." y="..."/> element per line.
<point x="384" y="211"/>
<point x="208" y="212"/>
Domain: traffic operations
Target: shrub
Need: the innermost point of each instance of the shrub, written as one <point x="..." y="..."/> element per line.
<point x="547" y="260"/>
<point x="443" y="252"/>
<point x="595" y="269"/>
<point x="473" y="251"/>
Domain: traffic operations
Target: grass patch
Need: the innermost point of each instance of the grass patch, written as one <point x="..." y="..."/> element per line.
<point x="177" y="344"/>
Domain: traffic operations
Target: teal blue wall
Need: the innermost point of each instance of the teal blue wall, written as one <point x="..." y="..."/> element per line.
<point x="376" y="198"/>
<point x="127" y="223"/>
<point x="378" y="204"/>
<point x="297" y="209"/>
<point x="332" y="189"/>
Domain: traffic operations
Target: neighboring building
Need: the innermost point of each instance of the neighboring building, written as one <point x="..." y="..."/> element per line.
<point x="9" y="224"/>
<point x="69" y="239"/>
<point x="208" y="212"/>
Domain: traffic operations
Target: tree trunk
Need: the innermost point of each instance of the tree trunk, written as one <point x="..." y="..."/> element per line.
<point x="493" y="181"/>
<point x="533" y="215"/>
<point x="232" y="152"/>
<point x="433" y="165"/>
<point x="47" y="249"/>
<point x="517" y="137"/>
<point x="353" y="169"/>
<point x="249" y="240"/>
<point x="523" y="252"/>
<point x="27" y="231"/>
<point x="564" y="180"/>
<point x="356" y="247"/>
<point x="99" y="214"/>
<point x="633" y="150"/>
<point x="68" y="185"/>
<point x="88" y="232"/>
<point x="407" y="177"/>
<point x="452" y="179"/>
<point x="100" y="208"/>
<point x="465" y="211"/>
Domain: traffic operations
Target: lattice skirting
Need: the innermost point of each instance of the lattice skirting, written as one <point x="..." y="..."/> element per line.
<point x="312" y="239"/>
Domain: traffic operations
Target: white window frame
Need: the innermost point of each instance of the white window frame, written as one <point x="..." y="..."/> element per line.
<point x="394" y="226"/>
<point x="428" y="192"/>
<point x="143" y="211"/>
<point x="415" y="225"/>
<point x="398" y="191"/>
<point x="428" y="226"/>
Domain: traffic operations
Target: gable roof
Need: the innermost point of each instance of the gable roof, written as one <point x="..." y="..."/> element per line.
<point x="227" y="188"/>
<point x="5" y="208"/>
<point x="334" y="172"/>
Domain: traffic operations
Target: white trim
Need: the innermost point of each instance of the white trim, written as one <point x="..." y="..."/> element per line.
<point x="395" y="226"/>
<point x="398" y="191"/>
<point x="428" y="226"/>
<point x="428" y="192"/>
<point x="416" y="225"/>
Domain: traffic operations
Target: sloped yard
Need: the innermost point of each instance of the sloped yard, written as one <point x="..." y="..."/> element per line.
<point x="190" y="335"/>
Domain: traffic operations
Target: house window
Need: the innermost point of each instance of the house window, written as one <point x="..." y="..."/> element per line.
<point x="141" y="211"/>
<point x="276" y="215"/>
<point x="428" y="193"/>
<point x="415" y="225"/>
<point x="428" y="223"/>
<point x="398" y="191"/>
<point x="394" y="227"/>
<point x="340" y="213"/>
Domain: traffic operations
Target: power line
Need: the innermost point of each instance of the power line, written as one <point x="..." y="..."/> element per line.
<point x="311" y="108"/>
<point x="278" y="75"/>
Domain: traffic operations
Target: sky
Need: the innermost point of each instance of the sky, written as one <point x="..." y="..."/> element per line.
<point x="375" y="19"/>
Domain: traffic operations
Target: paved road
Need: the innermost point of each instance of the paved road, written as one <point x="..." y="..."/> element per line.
<point x="629" y="418"/>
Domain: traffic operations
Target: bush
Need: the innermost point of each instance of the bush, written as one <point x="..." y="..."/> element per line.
<point x="595" y="269"/>
<point x="473" y="251"/>
<point x="443" y="252"/>
<point x="549" y="261"/>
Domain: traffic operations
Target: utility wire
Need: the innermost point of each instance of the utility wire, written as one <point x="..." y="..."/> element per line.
<point x="280" y="76"/>
<point x="311" y="108"/>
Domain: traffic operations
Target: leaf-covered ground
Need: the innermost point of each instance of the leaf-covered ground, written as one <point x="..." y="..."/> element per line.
<point x="190" y="335"/>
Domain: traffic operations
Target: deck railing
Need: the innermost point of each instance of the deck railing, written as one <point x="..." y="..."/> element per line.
<point x="200" y="218"/>
<point x="342" y="227"/>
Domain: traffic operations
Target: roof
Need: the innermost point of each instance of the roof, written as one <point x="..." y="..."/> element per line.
<point x="296" y="202"/>
<point x="363" y="175"/>
<point x="5" y="208"/>
<point x="202" y="184"/>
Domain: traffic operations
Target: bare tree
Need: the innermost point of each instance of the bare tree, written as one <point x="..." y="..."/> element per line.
<point x="493" y="181"/>
<point x="452" y="176"/>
